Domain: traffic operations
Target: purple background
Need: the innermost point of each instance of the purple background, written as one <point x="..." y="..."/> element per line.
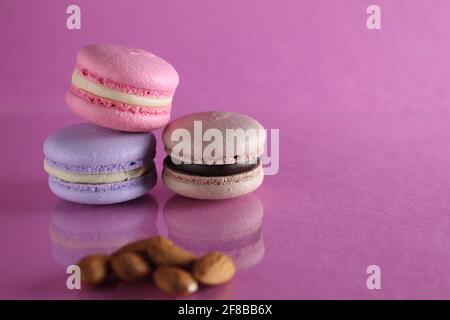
<point x="364" y="123"/>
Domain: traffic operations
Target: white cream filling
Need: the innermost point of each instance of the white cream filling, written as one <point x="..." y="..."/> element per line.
<point x="99" y="90"/>
<point x="98" y="178"/>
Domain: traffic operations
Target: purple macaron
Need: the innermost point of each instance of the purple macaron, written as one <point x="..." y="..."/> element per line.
<point x="95" y="165"/>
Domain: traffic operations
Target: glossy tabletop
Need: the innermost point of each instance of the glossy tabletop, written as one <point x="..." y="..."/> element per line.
<point x="364" y="169"/>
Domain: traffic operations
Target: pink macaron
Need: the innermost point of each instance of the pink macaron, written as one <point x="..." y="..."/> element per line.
<point x="213" y="155"/>
<point x="122" y="88"/>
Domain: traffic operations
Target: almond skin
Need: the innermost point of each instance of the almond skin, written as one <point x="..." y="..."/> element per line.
<point x="162" y="252"/>
<point x="95" y="269"/>
<point x="213" y="269"/>
<point x="130" y="267"/>
<point x="173" y="280"/>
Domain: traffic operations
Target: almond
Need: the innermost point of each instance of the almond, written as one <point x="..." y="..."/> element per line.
<point x="173" y="280"/>
<point x="139" y="247"/>
<point x="213" y="269"/>
<point x="130" y="267"/>
<point x="163" y="252"/>
<point x="95" y="269"/>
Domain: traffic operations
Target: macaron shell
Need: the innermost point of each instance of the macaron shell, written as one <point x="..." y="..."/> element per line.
<point x="116" y="119"/>
<point x="213" y="188"/>
<point x="220" y="121"/>
<point x="129" y="66"/>
<point x="89" y="145"/>
<point x="103" y="193"/>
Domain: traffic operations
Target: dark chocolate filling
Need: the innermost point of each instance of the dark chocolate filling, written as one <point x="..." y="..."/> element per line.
<point x="215" y="170"/>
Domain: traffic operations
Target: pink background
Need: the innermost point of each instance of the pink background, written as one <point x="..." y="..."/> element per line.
<point x="363" y="116"/>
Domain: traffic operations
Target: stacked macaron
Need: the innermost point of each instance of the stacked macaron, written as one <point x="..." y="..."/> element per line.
<point x="122" y="88"/>
<point x="95" y="165"/>
<point x="125" y="93"/>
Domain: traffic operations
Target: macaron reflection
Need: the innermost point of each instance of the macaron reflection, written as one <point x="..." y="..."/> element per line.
<point x="232" y="226"/>
<point x="78" y="230"/>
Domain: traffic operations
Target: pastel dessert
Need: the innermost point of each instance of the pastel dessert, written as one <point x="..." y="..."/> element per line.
<point x="230" y="226"/>
<point x="213" y="155"/>
<point x="122" y="88"/>
<point x="95" y="165"/>
<point x="78" y="230"/>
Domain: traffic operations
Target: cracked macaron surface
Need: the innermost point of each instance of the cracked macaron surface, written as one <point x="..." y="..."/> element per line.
<point x="122" y="88"/>
<point x="95" y="165"/>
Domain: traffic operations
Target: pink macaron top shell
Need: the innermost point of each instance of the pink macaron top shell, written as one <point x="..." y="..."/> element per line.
<point x="128" y="69"/>
<point x="220" y="121"/>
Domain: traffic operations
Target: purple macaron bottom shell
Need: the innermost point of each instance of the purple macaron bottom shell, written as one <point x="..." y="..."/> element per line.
<point x="107" y="193"/>
<point x="213" y="188"/>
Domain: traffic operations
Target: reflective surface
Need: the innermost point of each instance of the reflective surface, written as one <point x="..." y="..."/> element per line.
<point x="364" y="173"/>
<point x="232" y="226"/>
<point x="42" y="234"/>
<point x="79" y="230"/>
<point x="309" y="232"/>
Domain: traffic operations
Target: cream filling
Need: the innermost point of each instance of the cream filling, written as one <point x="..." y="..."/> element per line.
<point x="99" y="90"/>
<point x="99" y="178"/>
